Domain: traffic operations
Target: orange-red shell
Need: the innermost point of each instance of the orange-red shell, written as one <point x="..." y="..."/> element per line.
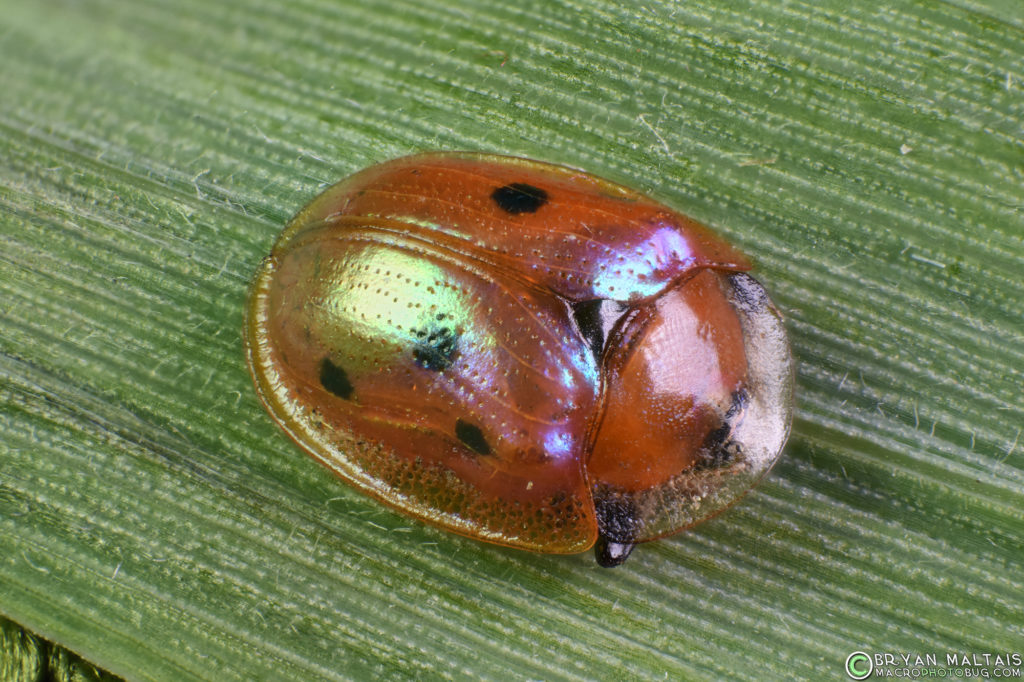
<point x="520" y="352"/>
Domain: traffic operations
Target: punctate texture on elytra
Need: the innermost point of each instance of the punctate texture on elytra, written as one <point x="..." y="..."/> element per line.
<point x="520" y="352"/>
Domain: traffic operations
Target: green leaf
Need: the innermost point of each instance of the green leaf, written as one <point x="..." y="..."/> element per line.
<point x="869" y="156"/>
<point x="23" y="656"/>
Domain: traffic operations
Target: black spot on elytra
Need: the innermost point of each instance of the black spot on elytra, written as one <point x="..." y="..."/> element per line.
<point x="616" y="518"/>
<point x="472" y="437"/>
<point x="595" y="319"/>
<point x="748" y="295"/>
<point x="435" y="347"/>
<point x="334" y="379"/>
<point x="519" y="197"/>
<point x="719" y="449"/>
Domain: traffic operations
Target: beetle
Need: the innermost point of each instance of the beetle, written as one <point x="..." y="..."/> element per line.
<point x="520" y="352"/>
